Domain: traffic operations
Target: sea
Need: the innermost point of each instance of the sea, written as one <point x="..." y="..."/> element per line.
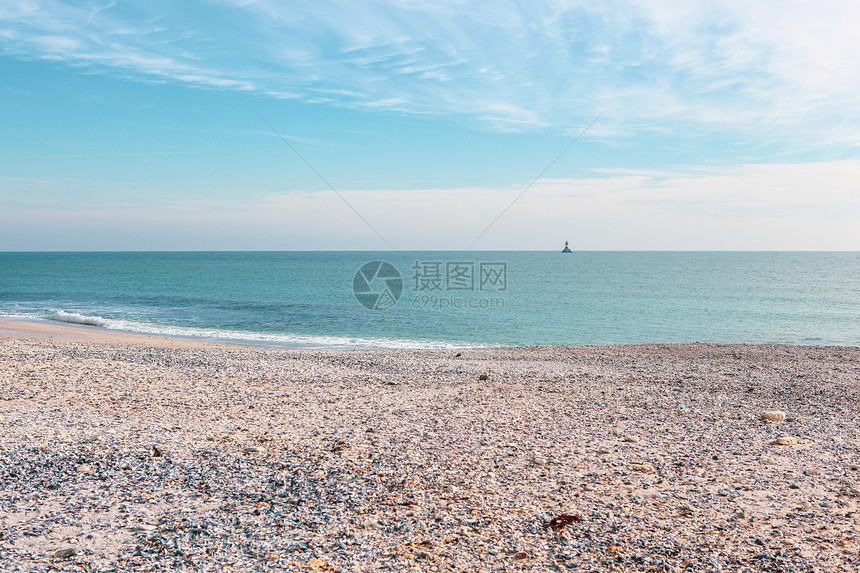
<point x="434" y="299"/>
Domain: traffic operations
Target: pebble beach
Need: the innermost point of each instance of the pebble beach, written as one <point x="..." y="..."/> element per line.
<point x="133" y="453"/>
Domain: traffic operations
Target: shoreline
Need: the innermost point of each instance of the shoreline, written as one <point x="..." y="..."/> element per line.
<point x="43" y="330"/>
<point x="357" y="343"/>
<point x="132" y="452"/>
<point x="50" y="331"/>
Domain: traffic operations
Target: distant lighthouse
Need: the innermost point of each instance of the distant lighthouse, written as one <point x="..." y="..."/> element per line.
<point x="566" y="249"/>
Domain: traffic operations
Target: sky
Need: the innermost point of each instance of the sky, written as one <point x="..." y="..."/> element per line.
<point x="429" y="125"/>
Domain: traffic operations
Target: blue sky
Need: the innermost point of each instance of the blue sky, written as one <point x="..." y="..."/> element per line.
<point x="136" y="125"/>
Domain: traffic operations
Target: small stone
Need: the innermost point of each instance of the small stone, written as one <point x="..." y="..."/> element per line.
<point x="785" y="441"/>
<point x="631" y="439"/>
<point x="450" y="488"/>
<point x="540" y="461"/>
<point x="768" y="460"/>
<point x="812" y="472"/>
<point x="371" y="523"/>
<point x="773" y="416"/>
<point x="644" y="468"/>
<point x="604" y="451"/>
<point x="147" y="527"/>
<point x="66" y="553"/>
<point x="588" y="487"/>
<point x="84" y="469"/>
<point x="483" y="377"/>
<point x="254" y="450"/>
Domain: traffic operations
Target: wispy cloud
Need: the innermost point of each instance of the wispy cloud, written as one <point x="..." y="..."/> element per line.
<point x="784" y="70"/>
<point x="124" y="154"/>
<point x="762" y="206"/>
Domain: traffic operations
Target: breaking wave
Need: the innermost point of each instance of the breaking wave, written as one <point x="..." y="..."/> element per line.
<point x="240" y="337"/>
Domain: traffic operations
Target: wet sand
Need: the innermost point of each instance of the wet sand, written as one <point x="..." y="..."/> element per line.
<point x="134" y="453"/>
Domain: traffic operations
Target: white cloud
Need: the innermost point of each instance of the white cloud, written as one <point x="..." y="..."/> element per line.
<point x="734" y="65"/>
<point x="754" y="207"/>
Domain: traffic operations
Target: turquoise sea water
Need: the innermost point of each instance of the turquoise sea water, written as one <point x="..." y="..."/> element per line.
<point x="446" y="298"/>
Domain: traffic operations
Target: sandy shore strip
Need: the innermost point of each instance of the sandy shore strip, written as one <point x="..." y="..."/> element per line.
<point x="133" y="453"/>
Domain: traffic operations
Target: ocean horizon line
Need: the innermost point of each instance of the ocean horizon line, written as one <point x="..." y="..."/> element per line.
<point x="574" y="250"/>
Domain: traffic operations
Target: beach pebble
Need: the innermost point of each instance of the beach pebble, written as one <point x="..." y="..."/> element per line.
<point x="371" y="523"/>
<point x="455" y="475"/>
<point x="644" y="468"/>
<point x="773" y="416"/>
<point x="65" y="553"/>
<point x="84" y="469"/>
<point x="785" y="441"/>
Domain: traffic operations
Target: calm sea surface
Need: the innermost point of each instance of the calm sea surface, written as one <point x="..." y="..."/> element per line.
<point x="442" y="299"/>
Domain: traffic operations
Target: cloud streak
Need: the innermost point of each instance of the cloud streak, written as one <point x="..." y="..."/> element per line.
<point x="752" y="207"/>
<point x="775" y="70"/>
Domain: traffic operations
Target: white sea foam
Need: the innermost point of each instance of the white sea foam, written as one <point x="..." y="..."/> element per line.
<point x="237" y="336"/>
<point x="76" y="318"/>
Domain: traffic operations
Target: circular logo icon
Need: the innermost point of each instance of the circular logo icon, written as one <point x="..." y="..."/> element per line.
<point x="377" y="285"/>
